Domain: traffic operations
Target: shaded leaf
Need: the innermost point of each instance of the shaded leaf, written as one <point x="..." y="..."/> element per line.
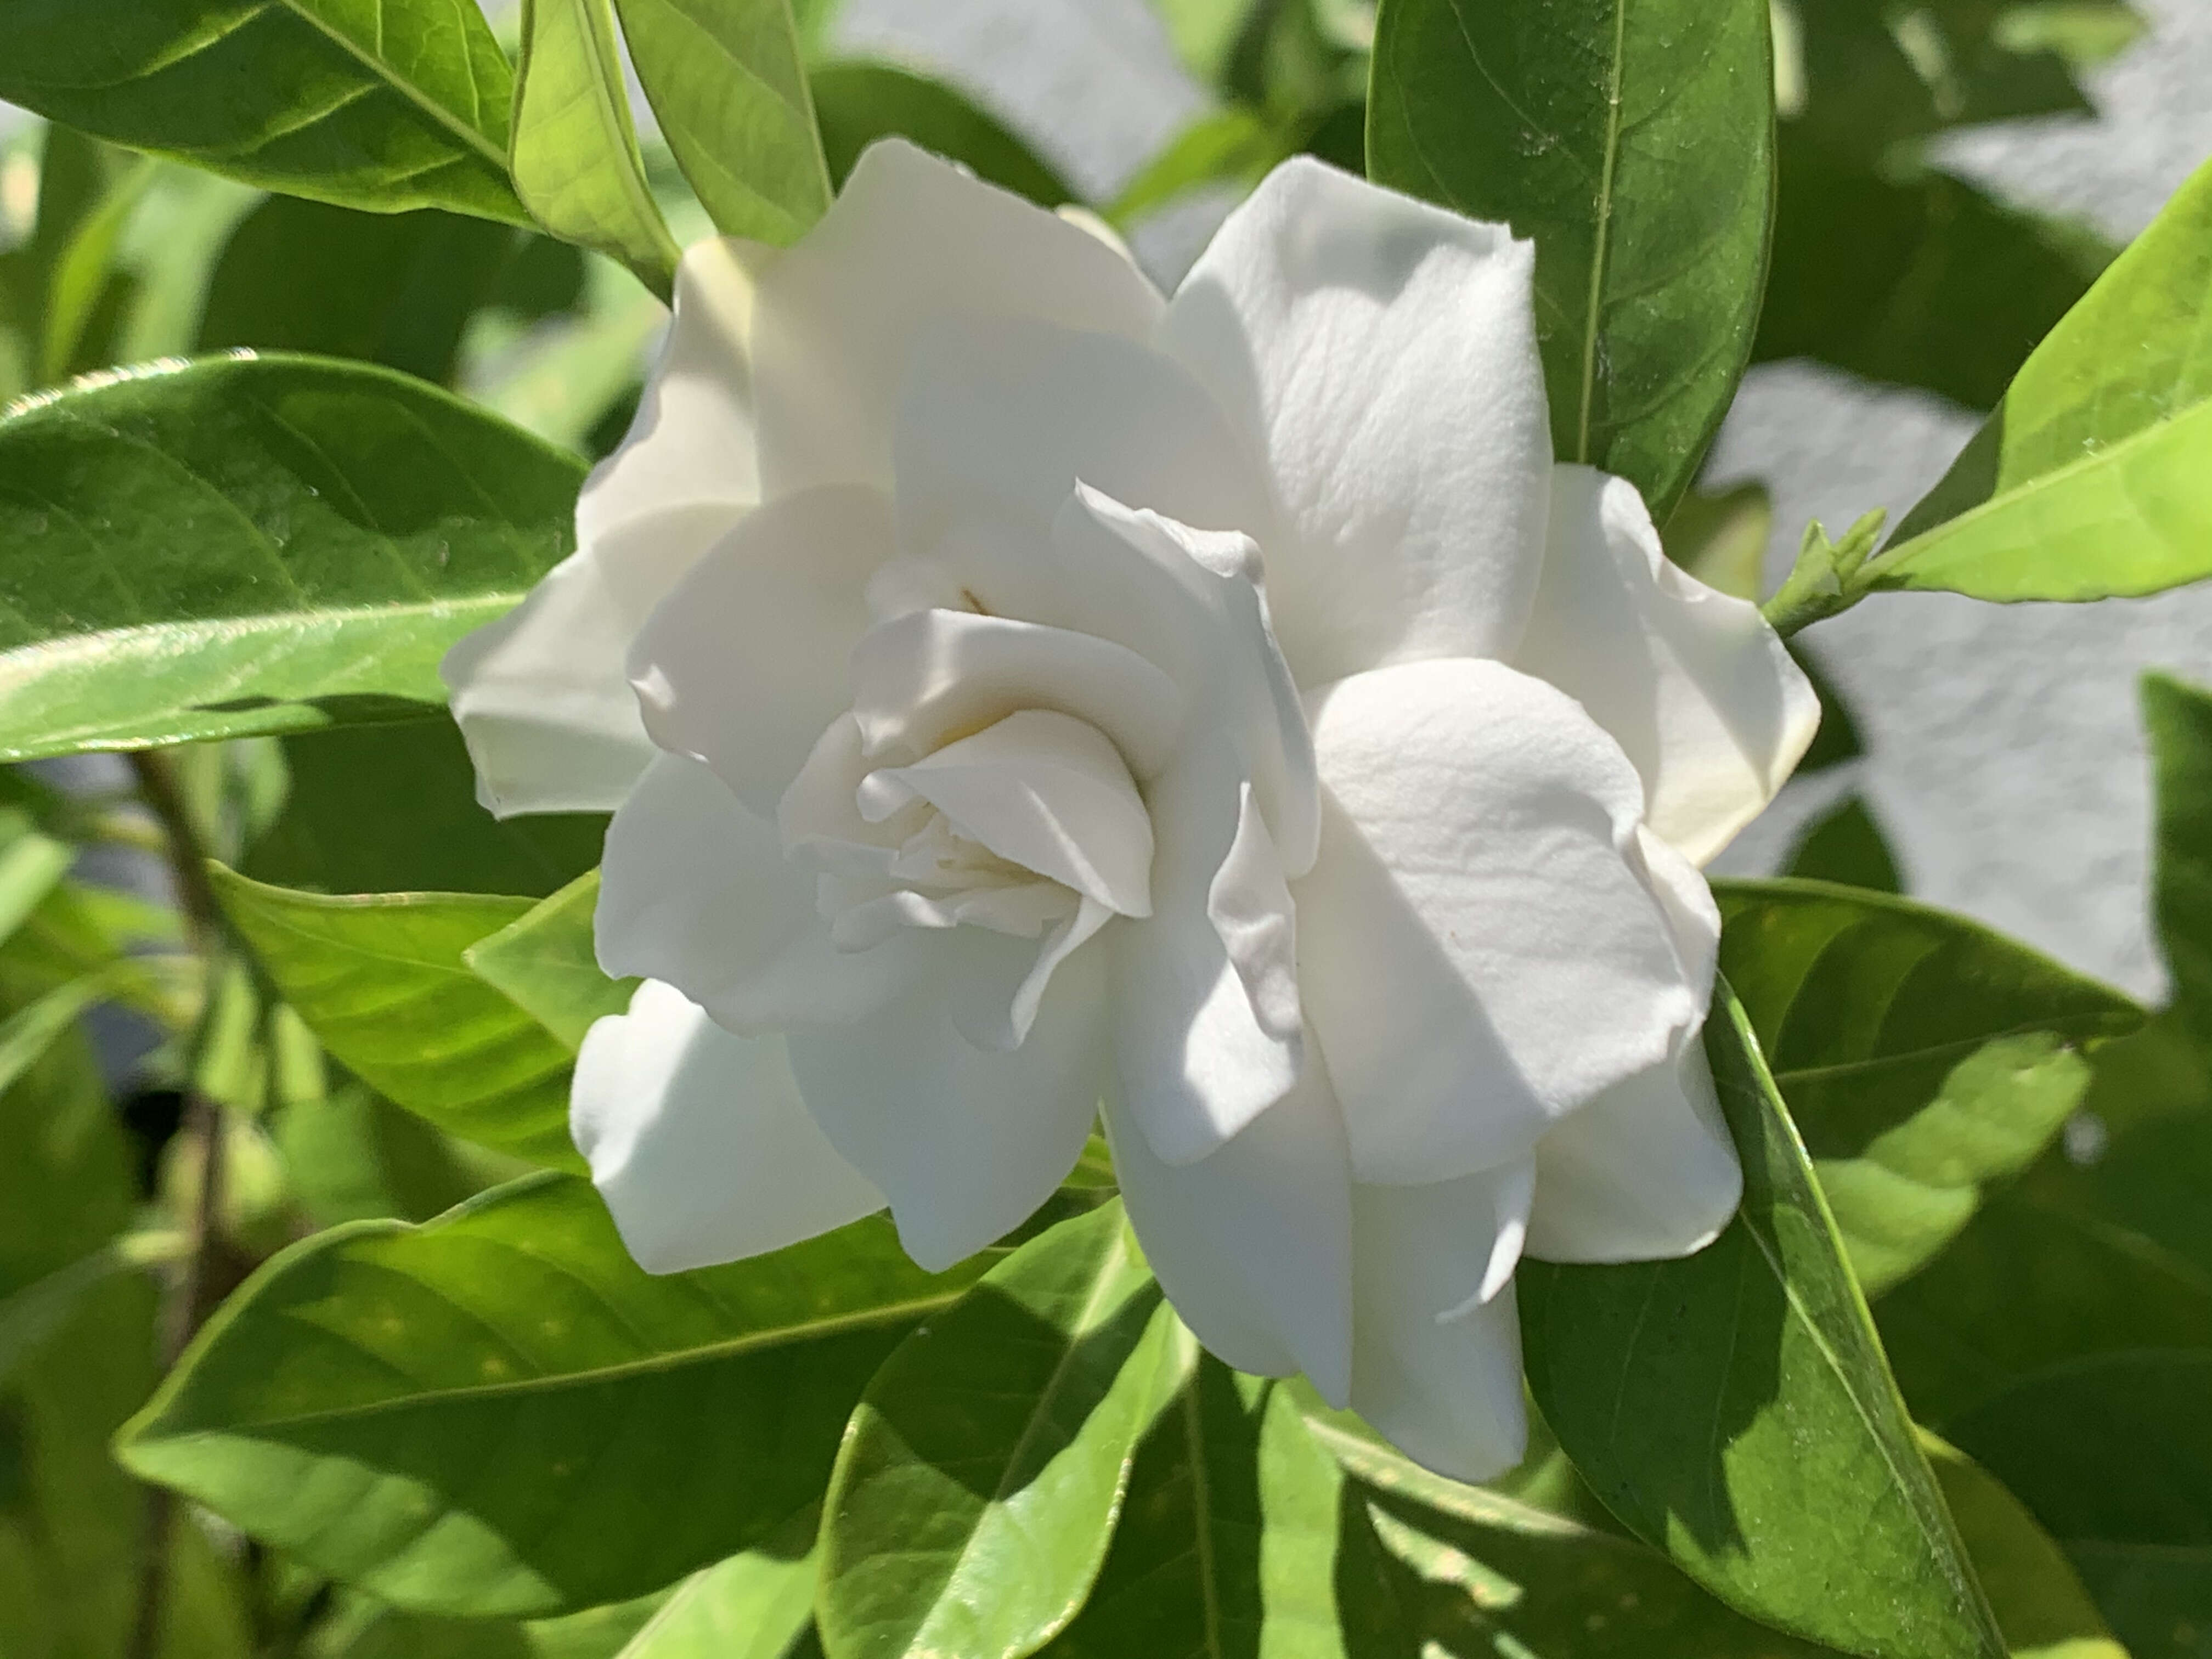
<point x="1845" y="846"/>
<point x="391" y="288"/>
<point x="1635" y="144"/>
<point x="726" y="79"/>
<point x="1240" y="1537"/>
<point x="2089" y="479"/>
<point x="978" y="1488"/>
<point x="391" y="807"/>
<point x="505" y="1382"/>
<point x="381" y="980"/>
<point x="1734" y="1408"/>
<point x="255" y="545"/>
<point x="1924" y="1058"/>
<point x="395" y="106"/>
<point x="2178" y="722"/>
<point x="575" y="158"/>
<point x="859" y="101"/>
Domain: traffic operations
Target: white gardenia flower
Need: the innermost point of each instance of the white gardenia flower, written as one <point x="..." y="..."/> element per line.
<point x="1019" y="693"/>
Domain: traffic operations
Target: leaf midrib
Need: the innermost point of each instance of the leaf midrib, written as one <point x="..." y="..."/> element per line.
<point x="733" y="1347"/>
<point x="1601" y="229"/>
<point x="466" y="132"/>
<point x="2080" y="1025"/>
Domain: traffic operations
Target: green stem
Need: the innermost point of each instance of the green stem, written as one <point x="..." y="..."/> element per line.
<point x="191" y="1295"/>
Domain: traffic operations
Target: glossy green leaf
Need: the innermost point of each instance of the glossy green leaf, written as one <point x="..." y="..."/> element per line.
<point x="1924" y="1058"/>
<point x="255" y="545"/>
<point x="1240" y="1536"/>
<point x="1845" y="846"/>
<point x="381" y="980"/>
<point x="391" y="808"/>
<point x="498" y="1414"/>
<point x="391" y="288"/>
<point x="1635" y="144"/>
<point x="399" y="105"/>
<point x="2041" y="1605"/>
<point x="858" y="101"/>
<point x="728" y="82"/>
<point x="2114" y="1456"/>
<point x="575" y="159"/>
<point x="2177" y="720"/>
<point x="1920" y="280"/>
<point x="1734" y="1408"/>
<point x="976" y="1491"/>
<point x="2090" y="478"/>
<point x="544" y="963"/>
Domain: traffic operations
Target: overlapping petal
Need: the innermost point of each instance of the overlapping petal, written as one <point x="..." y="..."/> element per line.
<point x="1479" y="947"/>
<point x="742" y="664"/>
<point x="965" y="1142"/>
<point x="1692" y="683"/>
<point x="1382" y="354"/>
<point x="1644" y="1172"/>
<point x="1253" y="1243"/>
<point x="698" y="1139"/>
<point x="1436" y="1341"/>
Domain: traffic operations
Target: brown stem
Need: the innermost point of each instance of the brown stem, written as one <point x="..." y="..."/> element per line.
<point x="191" y="1296"/>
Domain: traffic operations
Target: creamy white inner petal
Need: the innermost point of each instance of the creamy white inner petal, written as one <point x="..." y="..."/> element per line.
<point x="933" y="805"/>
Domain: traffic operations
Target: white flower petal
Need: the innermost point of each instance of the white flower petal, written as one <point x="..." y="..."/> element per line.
<point x="697" y="890"/>
<point x="698" y="1139"/>
<point x="692" y="441"/>
<point x="1249" y="905"/>
<point x="1382" y="355"/>
<point x="1042" y="790"/>
<point x="965" y="1142"/>
<point x="923" y="676"/>
<point x="1691" y="683"/>
<point x="744" y="663"/>
<point x="1253" y="1243"/>
<point x="1480" y="950"/>
<point x="996" y="986"/>
<point x="1646" y="1172"/>
<point x="541" y="695"/>
<point x="1436" y="1366"/>
<point x="909" y="240"/>
<point x="1195" y="1063"/>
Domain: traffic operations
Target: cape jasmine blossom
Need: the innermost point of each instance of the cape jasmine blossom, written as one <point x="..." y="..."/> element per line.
<point x="1020" y="695"/>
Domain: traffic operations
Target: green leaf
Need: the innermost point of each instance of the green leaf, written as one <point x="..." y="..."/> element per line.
<point x="576" y="163"/>
<point x="2177" y="720"/>
<point x="2114" y="1456"/>
<point x="2089" y="480"/>
<point x="399" y="105"/>
<point x="67" y="1186"/>
<point x="2041" y="1605"/>
<point x="1845" y="846"/>
<point x="1232" y="146"/>
<point x="977" y="1487"/>
<point x="391" y="288"/>
<point x="498" y="1414"/>
<point x="254" y="545"/>
<point x="391" y="808"/>
<point x="1206" y="33"/>
<point x="544" y="963"/>
<point x="858" y="101"/>
<point x="1635" y="144"/>
<point x="1524" y="1580"/>
<point x="353" y="1156"/>
<point x="1920" y="280"/>
<point x="1240" y="1535"/>
<point x="31" y="866"/>
<point x="1734" y="1408"/>
<point x="1924" y="1058"/>
<point x="381" y="980"/>
<point x="726" y="79"/>
<point x="753" y="1606"/>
